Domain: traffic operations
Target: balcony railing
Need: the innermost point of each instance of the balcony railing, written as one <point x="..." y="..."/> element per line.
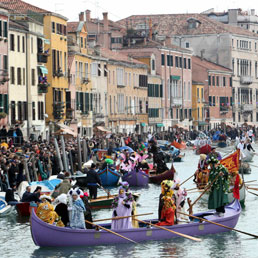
<point x="246" y="79"/>
<point x="85" y="80"/>
<point x="43" y="87"/>
<point x="247" y="108"/>
<point x="59" y="73"/>
<point x="42" y="58"/>
<point x="176" y="101"/>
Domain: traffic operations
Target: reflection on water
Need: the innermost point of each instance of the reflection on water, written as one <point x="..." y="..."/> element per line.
<point x="16" y="239"/>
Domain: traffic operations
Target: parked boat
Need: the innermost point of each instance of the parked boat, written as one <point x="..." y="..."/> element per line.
<point x="206" y="149"/>
<point x="5" y="209"/>
<point x="24" y="208"/>
<point x="248" y="155"/>
<point x="46" y="235"/>
<point x="109" y="177"/>
<point x="180" y="146"/>
<point x="157" y="179"/>
<point x="105" y="202"/>
<point x="136" y="177"/>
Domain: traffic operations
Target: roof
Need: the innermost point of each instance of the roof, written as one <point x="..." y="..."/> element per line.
<point x="72" y="26"/>
<point x="176" y="24"/>
<point x="204" y="63"/>
<point x="16" y="25"/>
<point x="116" y="56"/>
<point x="19" y="6"/>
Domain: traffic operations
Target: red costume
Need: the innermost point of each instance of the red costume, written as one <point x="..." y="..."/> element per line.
<point x="167" y="213"/>
<point x="236" y="188"/>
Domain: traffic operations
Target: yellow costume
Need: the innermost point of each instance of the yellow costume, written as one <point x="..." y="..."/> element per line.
<point x="46" y="212"/>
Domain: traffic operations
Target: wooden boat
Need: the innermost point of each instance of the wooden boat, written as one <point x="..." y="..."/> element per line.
<point x="206" y="149"/>
<point x="248" y="155"/>
<point x="180" y="146"/>
<point x="24" y="208"/>
<point x="105" y="202"/>
<point x="46" y="235"/>
<point x="109" y="177"/>
<point x="5" y="209"/>
<point x="179" y="158"/>
<point x="157" y="179"/>
<point x="136" y="177"/>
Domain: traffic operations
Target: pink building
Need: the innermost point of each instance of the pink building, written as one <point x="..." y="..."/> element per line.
<point x="174" y="65"/>
<point x="4" y="77"/>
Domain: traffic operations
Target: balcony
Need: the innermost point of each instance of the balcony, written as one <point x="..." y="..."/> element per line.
<point x="246" y="80"/>
<point x="247" y="108"/>
<point x="43" y="87"/>
<point x="42" y="58"/>
<point x="176" y="101"/>
<point x="85" y="80"/>
<point x="121" y="85"/>
<point x="4" y="77"/>
<point x="69" y="113"/>
<point x="59" y="73"/>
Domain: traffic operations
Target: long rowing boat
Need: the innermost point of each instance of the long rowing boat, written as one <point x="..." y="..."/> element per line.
<point x="46" y="235"/>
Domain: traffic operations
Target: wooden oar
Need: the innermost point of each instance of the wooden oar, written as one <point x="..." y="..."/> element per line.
<point x="218" y="224"/>
<point x="188" y="190"/>
<point x="251" y="181"/>
<point x="171" y="231"/>
<point x="124" y="217"/>
<point x="252" y="193"/>
<point x="106" y="191"/>
<point x="187" y="180"/>
<point x="251" y="188"/>
<point x="110" y="231"/>
<point x="198" y="191"/>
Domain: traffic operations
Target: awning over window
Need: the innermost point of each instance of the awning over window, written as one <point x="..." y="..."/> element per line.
<point x="43" y="69"/>
<point x="174" y="77"/>
<point x="46" y="41"/>
<point x="202" y="123"/>
<point x="160" y="125"/>
<point x="143" y="124"/>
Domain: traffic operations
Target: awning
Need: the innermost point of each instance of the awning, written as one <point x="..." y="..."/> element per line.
<point x="46" y="41"/>
<point x="249" y="123"/>
<point x="174" y="77"/>
<point x="102" y="129"/>
<point x="143" y="124"/>
<point x="43" y="69"/>
<point x="65" y="132"/>
<point x="63" y="126"/>
<point x="181" y="126"/>
<point x="202" y="123"/>
<point x="160" y="125"/>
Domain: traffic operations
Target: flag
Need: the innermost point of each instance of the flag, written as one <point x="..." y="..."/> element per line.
<point x="231" y="162"/>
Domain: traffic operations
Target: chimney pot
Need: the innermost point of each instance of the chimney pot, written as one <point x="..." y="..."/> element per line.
<point x="81" y="16"/>
<point x="88" y="18"/>
<point x="105" y="20"/>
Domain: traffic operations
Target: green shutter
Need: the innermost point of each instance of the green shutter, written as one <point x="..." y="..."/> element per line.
<point x="6" y="106"/>
<point x="1" y="103"/>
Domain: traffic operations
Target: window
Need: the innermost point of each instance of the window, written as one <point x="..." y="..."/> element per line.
<point x="99" y="69"/>
<point x="13" y="113"/>
<point x="53" y="27"/>
<point x="189" y="63"/>
<point x="81" y="42"/>
<point x="33" y="77"/>
<point x="120" y="76"/>
<point x="153" y="112"/>
<point x="19" y="110"/>
<point x="105" y="71"/>
<point x="143" y="80"/>
<point x="177" y="65"/>
<point x="214" y="101"/>
<point x="18" y="43"/>
<point x="230" y="82"/>
<point x="217" y="80"/>
<point x="117" y="40"/>
<point x="209" y="80"/>
<point x="5" y="29"/>
<point x="162" y="59"/>
<point x="94" y="69"/>
<point x="180" y="62"/>
<point x="23" y="44"/>
<point x="24" y="76"/>
<point x="33" y="111"/>
<point x="210" y="100"/>
<point x="187" y="44"/>
<point x="31" y="45"/>
<point x="224" y="81"/>
<point x="185" y="63"/>
<point x="54" y="62"/>
<point x="64" y="32"/>
<point x="19" y="79"/>
<point x="1" y="31"/>
<point x="168" y="60"/>
<point x="25" y="111"/>
<point x="12" y="47"/>
<point x="153" y="65"/>
<point x="85" y="42"/>
<point x="5" y="62"/>
<point x="213" y="80"/>
<point x="12" y="75"/>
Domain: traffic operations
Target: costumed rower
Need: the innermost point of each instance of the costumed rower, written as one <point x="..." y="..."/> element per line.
<point x="202" y="173"/>
<point x="167" y="206"/>
<point x="122" y="206"/>
<point x="61" y="208"/>
<point x="45" y="212"/>
<point x="76" y="209"/>
<point x="218" y="196"/>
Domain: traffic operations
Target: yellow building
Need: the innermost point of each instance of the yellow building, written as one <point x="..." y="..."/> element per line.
<point x="127" y="93"/>
<point x="198" y="104"/>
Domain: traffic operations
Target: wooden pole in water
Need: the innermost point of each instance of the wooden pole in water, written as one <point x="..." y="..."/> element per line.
<point x="110" y="231"/>
<point x="79" y="153"/>
<point x="71" y="161"/>
<point x="25" y="164"/>
<point x="64" y="154"/>
<point x="218" y="224"/>
<point x="58" y="155"/>
<point x="171" y="231"/>
<point x="85" y="151"/>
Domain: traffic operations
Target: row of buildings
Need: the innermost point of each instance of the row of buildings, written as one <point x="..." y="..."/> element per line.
<point x="143" y="73"/>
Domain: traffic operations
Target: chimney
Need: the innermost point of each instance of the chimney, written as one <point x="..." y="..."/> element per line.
<point x="87" y="12"/>
<point x="81" y="16"/>
<point x="202" y="54"/>
<point x="105" y="20"/>
<point x="253" y="12"/>
<point x="232" y="16"/>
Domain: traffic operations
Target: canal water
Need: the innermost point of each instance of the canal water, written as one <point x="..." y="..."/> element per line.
<point x="16" y="241"/>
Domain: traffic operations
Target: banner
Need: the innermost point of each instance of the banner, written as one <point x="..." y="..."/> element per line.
<point x="232" y="162"/>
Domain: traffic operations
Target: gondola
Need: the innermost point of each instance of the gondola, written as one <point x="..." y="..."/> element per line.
<point x="46" y="235"/>
<point x="136" y="177"/>
<point x="158" y="178"/>
<point x="108" y="176"/>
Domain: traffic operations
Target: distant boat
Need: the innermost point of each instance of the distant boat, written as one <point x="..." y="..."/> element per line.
<point x="180" y="146"/>
<point x="136" y="177"/>
<point x="109" y="177"/>
<point x="46" y="235"/>
<point x="248" y="155"/>
<point x="5" y="209"/>
<point x="158" y="178"/>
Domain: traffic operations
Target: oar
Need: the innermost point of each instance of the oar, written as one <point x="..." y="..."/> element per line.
<point x="106" y="191"/>
<point x="187" y="180"/>
<point x="124" y="217"/>
<point x="253" y="165"/>
<point x="171" y="231"/>
<point x="110" y="231"/>
<point x="252" y="193"/>
<point x="251" y="181"/>
<point x="251" y="188"/>
<point x="218" y="224"/>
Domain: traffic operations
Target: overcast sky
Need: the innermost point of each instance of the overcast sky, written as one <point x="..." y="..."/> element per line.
<point x="119" y="9"/>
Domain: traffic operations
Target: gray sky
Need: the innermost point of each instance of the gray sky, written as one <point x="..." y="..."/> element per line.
<point x="119" y="9"/>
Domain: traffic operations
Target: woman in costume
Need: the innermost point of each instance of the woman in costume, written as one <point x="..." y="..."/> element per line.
<point x="76" y="209"/>
<point x="122" y="206"/>
<point x="61" y="208"/>
<point x="45" y="212"/>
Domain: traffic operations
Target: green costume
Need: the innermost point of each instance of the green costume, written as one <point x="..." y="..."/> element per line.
<point x="219" y="190"/>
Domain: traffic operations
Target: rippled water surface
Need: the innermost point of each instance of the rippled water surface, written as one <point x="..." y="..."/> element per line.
<point x="16" y="241"/>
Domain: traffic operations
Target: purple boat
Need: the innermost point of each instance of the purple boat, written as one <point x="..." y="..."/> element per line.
<point x="136" y="178"/>
<point x="46" y="235"/>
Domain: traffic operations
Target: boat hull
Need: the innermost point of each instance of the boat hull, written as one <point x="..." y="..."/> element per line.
<point x="248" y="155"/>
<point x="46" y="235"/>
<point x="24" y="208"/>
<point x="136" y="178"/>
<point x="157" y="179"/>
<point x="180" y="146"/>
<point x="109" y="177"/>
